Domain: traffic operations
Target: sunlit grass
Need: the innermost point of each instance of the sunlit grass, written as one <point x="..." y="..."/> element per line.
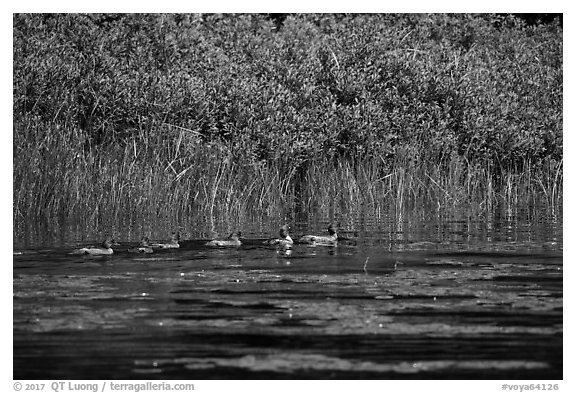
<point x="231" y="117"/>
<point x="60" y="179"/>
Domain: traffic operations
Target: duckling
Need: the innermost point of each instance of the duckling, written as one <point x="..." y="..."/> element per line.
<point x="143" y="248"/>
<point x="104" y="249"/>
<point x="232" y="241"/>
<point x="284" y="240"/>
<point x="174" y="239"/>
<point x="320" y="240"/>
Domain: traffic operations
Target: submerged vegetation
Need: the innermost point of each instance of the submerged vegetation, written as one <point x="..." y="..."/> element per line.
<point x="219" y="115"/>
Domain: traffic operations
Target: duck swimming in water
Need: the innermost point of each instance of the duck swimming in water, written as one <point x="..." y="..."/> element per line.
<point x="320" y="240"/>
<point x="174" y="242"/>
<point x="283" y="240"/>
<point x="143" y="248"/>
<point x="104" y="249"/>
<point x="232" y="241"/>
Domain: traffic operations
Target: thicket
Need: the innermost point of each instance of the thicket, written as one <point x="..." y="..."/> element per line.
<point x="179" y="115"/>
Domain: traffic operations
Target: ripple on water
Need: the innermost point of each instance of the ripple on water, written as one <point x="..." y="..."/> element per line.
<point x="295" y="362"/>
<point x="384" y="307"/>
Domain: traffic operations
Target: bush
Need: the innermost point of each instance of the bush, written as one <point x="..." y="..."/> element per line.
<point x="110" y="108"/>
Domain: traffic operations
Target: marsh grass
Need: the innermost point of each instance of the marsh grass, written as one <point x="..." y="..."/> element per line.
<point x="61" y="180"/>
<point x="168" y="117"/>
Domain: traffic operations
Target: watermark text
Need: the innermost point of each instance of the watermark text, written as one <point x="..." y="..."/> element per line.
<point x="530" y="387"/>
<point x="103" y="386"/>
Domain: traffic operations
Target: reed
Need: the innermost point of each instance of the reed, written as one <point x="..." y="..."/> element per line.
<point x="322" y="113"/>
<point x="106" y="187"/>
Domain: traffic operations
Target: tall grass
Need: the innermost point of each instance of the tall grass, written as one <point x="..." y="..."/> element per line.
<point x="142" y="179"/>
<point x="61" y="180"/>
<point x="180" y="116"/>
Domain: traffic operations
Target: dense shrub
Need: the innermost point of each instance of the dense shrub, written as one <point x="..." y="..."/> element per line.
<point x="216" y="108"/>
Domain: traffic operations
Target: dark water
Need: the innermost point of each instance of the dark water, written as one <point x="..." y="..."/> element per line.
<point x="419" y="298"/>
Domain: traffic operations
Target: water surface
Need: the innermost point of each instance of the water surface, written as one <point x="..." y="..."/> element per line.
<point x="426" y="297"/>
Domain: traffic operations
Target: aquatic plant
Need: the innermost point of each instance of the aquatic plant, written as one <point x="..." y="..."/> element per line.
<point x="219" y="115"/>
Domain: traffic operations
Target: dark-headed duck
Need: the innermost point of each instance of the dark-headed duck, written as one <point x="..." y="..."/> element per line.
<point x="143" y="247"/>
<point x="173" y="243"/>
<point x="103" y="249"/>
<point x="232" y="241"/>
<point x="284" y="239"/>
<point x="321" y="240"/>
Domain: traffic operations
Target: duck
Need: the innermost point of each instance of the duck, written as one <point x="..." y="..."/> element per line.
<point x="319" y="240"/>
<point x="143" y="248"/>
<point x="284" y="239"/>
<point x="232" y="241"/>
<point x="174" y="242"/>
<point x="103" y="249"/>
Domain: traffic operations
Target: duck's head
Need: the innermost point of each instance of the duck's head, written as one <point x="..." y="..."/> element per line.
<point x="235" y="235"/>
<point x="145" y="242"/>
<point x="284" y="231"/>
<point x="175" y="237"/>
<point x="331" y="230"/>
<point x="109" y="242"/>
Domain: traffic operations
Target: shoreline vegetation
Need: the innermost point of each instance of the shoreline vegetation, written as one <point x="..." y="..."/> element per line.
<point x="230" y="115"/>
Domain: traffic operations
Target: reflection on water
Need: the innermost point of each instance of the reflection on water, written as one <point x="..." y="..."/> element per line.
<point x="427" y="296"/>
